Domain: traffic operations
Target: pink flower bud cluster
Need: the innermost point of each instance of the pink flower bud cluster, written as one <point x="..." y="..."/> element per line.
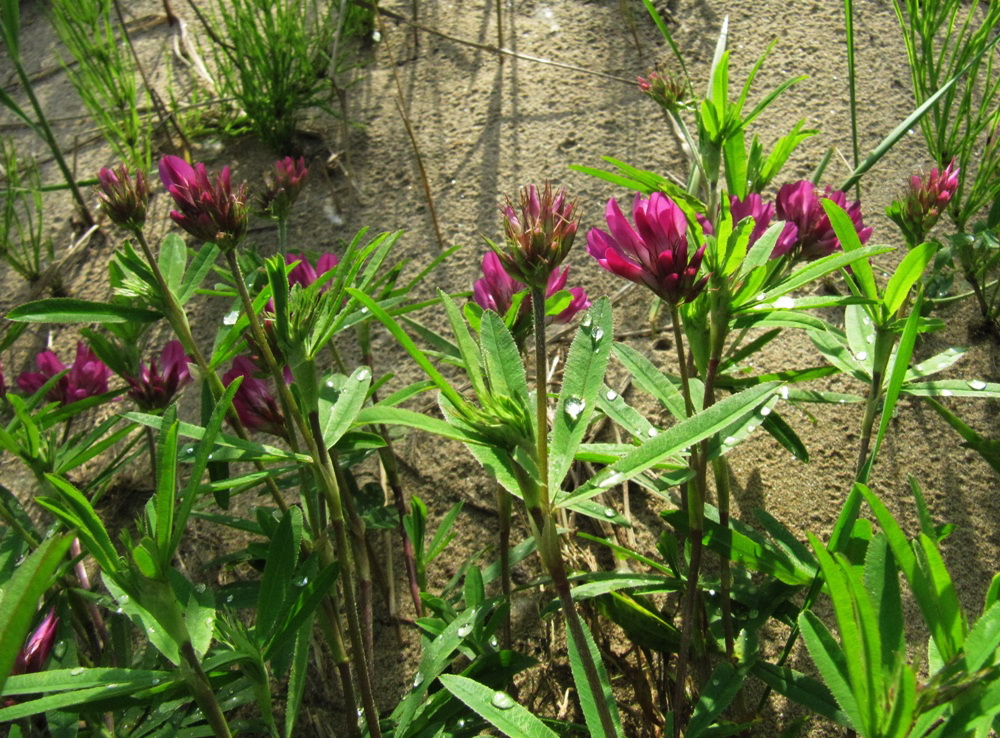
<point x="925" y="202"/>
<point x="123" y="199"/>
<point x="282" y="185"/>
<point x="156" y="386"/>
<point x="539" y="234"/>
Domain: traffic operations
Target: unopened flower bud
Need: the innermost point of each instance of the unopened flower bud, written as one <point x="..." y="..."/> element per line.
<point x="282" y="185"/>
<point x="121" y="198"/>
<point x="211" y="211"/>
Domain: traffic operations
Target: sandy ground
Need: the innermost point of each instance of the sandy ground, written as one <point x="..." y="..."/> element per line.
<point x="483" y="128"/>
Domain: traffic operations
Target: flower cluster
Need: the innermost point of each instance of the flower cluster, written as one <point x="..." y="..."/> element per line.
<point x="654" y="253"/>
<point x="495" y="290"/>
<point x="924" y="203"/>
<point x="123" y="199"/>
<point x="253" y="401"/>
<point x="211" y="211"/>
<point x="282" y="185"/>
<point x="539" y="234"/>
<point x="155" y="387"/>
<point x="799" y="203"/>
<point x="87" y="377"/>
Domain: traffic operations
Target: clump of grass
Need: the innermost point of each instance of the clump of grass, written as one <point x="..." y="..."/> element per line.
<point x="104" y="76"/>
<point x="277" y="59"/>
<point x="22" y="242"/>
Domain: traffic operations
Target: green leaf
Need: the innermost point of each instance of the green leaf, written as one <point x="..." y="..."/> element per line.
<point x="906" y="275"/>
<point x="583" y="376"/>
<point x="72" y="310"/>
<point x="843" y="226"/>
<point x="166" y="486"/>
<point x="77" y="512"/>
<point x="882" y="584"/>
<point x="504" y="366"/>
<point x="173" y="261"/>
<point x="722" y="687"/>
<point x="832" y="665"/>
<point x="651" y="379"/>
<point x="799" y="688"/>
<point x="338" y="413"/>
<point x="201" y="265"/>
<point x="298" y="676"/>
<point x="588" y="700"/>
<point x="673" y="440"/>
<point x="21" y="594"/>
<point x="983" y="640"/>
<point x="466" y="345"/>
<point x="497" y="708"/>
<point x="282" y="558"/>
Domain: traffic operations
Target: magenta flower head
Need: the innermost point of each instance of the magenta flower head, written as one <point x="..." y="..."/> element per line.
<point x="282" y="185"/>
<point x="35" y="652"/>
<point x="538" y="234"/>
<point x="814" y="237"/>
<point x="121" y="198"/>
<point x="254" y="403"/>
<point x="211" y="211"/>
<point x="926" y="200"/>
<point x="654" y="253"/>
<point x="495" y="290"/>
<point x="87" y="377"/>
<point x="156" y="386"/>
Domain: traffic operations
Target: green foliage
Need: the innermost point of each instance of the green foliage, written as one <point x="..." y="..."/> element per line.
<point x="23" y="244"/>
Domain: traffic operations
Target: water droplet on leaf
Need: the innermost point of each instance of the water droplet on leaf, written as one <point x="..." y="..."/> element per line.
<point x="464" y="630"/>
<point x="608" y="512"/>
<point x="946" y="393"/>
<point x="77" y="671"/>
<point x="574" y="407"/>
<point x="977" y="384"/>
<point x="494" y="641"/>
<point x="364" y="374"/>
<point x="765" y="411"/>
<point x="652" y="432"/>
<point x="611" y="395"/>
<point x="418" y="680"/>
<point x="597" y="334"/>
<point x="785" y="302"/>
<point x="861" y="355"/>
<point x="502" y="701"/>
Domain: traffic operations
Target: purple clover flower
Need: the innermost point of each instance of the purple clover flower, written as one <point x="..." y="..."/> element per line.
<point x="211" y="211"/>
<point x="814" y="237"/>
<point x="87" y="377"/>
<point x="654" y="253"/>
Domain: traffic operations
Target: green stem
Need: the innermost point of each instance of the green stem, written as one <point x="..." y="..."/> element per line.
<point x="203" y="692"/>
<point x="283" y="236"/>
<point x="504" y="513"/>
<point x="549" y="546"/>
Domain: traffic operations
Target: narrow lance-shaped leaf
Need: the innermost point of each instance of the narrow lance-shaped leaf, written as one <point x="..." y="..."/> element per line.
<point x="498" y="708"/>
<point x="72" y="310"/>
<point x="21" y="594"/>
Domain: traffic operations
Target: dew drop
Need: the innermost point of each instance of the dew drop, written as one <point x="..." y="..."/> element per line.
<point x="464" y="630"/>
<point x="229" y="598"/>
<point x="329" y="383"/>
<point x="946" y="393"/>
<point x="765" y="411"/>
<point x="59" y="650"/>
<point x="866" y="320"/>
<point x="730" y="440"/>
<point x="418" y="680"/>
<point x="77" y="671"/>
<point x="199" y="588"/>
<point x="502" y="701"/>
<point x="869" y="339"/>
<point x="611" y="480"/>
<point x="587" y="321"/>
<point x="209" y="622"/>
<point x="611" y="395"/>
<point x="119" y="611"/>
<point x="231" y="318"/>
<point x="155" y="681"/>
<point x="363" y="374"/>
<point x="751" y="428"/>
<point x="761" y="297"/>
<point x="919" y="367"/>
<point x="301" y="582"/>
<point x="711" y="593"/>
<point x="608" y="512"/>
<point x="785" y="302"/>
<point x="112" y="686"/>
<point x="364" y="309"/>
<point x="494" y="641"/>
<point x="652" y="432"/>
<point x="189" y="450"/>
<point x="276" y="514"/>
<point x="784" y="393"/>
<point x="753" y="614"/>
<point x="861" y="355"/>
<point x="151" y="631"/>
<point x="574" y="407"/>
<point x="843" y="402"/>
<point x="977" y="384"/>
<point x="597" y="334"/>
<point x="124" y="599"/>
<point x="461" y="723"/>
